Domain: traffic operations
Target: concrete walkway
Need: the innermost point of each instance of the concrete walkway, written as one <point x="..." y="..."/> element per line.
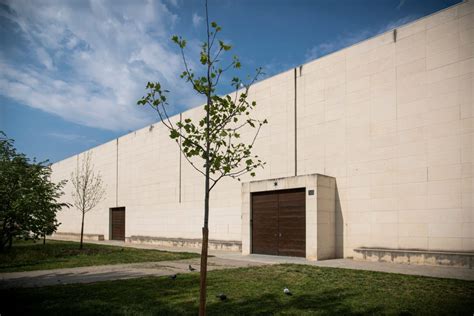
<point x="411" y="269"/>
<point x="114" y="272"/>
<point x="221" y="260"/>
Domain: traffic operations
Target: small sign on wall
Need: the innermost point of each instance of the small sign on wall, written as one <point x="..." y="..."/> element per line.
<point x="310" y="192"/>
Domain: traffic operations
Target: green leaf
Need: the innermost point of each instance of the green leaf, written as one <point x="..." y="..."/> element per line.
<point x="219" y="125"/>
<point x="174" y="134"/>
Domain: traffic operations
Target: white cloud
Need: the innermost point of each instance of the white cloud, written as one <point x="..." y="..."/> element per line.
<point x="394" y="24"/>
<point x="90" y="61"/>
<point x="174" y="3"/>
<point x="274" y="67"/>
<point x="349" y="39"/>
<point x="336" y="44"/>
<point x="197" y="19"/>
<point x="67" y="137"/>
<point x="401" y="4"/>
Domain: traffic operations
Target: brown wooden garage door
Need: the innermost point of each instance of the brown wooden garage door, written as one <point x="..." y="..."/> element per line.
<point x="279" y="223"/>
<point x="117" y="218"/>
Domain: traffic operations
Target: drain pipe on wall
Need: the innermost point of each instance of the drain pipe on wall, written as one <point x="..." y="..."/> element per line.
<point x="296" y="125"/>
<point x="116" y="171"/>
<point x="180" y="156"/>
<point x="296" y="115"/>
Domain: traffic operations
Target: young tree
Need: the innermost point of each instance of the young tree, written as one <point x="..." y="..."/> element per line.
<point x="28" y="199"/>
<point x="88" y="189"/>
<point x="215" y="138"/>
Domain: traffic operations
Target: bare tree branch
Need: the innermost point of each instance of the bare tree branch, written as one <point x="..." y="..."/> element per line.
<point x="88" y="188"/>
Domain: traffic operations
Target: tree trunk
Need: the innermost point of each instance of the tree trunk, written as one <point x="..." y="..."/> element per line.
<point x="205" y="240"/>
<point x="202" y="286"/>
<point x="205" y="229"/>
<point x="82" y="230"/>
<point x="10" y="241"/>
<point x="44" y="239"/>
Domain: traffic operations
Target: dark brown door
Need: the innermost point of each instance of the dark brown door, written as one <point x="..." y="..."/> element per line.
<point x="279" y="223"/>
<point x="265" y="223"/>
<point x="292" y="223"/>
<point x="118" y="223"/>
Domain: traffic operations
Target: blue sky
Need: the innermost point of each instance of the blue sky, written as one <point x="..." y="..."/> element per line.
<point x="72" y="71"/>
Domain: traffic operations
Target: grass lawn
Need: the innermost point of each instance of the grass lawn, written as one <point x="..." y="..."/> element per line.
<point x="253" y="291"/>
<point x="27" y="256"/>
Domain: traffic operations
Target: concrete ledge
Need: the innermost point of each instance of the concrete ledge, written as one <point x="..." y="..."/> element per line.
<point x="76" y="236"/>
<point x="227" y="245"/>
<point x="424" y="257"/>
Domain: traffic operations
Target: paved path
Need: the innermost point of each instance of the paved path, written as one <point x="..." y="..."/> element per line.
<point x="114" y="272"/>
<point x="221" y="260"/>
<point x="411" y="269"/>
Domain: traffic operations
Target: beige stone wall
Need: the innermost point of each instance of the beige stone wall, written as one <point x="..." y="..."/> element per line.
<point x="96" y="221"/>
<point x="391" y="121"/>
<point x="326" y="217"/>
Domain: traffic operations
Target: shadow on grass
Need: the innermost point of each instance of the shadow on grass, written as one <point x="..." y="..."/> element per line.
<point x="166" y="297"/>
<point x="329" y="302"/>
<point x="252" y="291"/>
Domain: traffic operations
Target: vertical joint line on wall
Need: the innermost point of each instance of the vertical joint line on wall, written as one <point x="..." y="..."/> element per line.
<point x="180" y="154"/>
<point x="116" y="173"/>
<point x="296" y="126"/>
<point x="396" y="81"/>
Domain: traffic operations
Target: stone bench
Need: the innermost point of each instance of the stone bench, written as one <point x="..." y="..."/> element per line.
<point x="185" y="243"/>
<point x="76" y="236"/>
<point x="407" y="256"/>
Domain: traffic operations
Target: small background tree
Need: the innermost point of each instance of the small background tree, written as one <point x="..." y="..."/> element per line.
<point x="215" y="138"/>
<point x="88" y="189"/>
<point x="29" y="201"/>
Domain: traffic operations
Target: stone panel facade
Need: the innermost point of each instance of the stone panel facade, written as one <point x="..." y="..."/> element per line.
<point x="390" y="118"/>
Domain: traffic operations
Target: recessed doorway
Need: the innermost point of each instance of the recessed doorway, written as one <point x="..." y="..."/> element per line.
<point x="117" y="223"/>
<point x="279" y="222"/>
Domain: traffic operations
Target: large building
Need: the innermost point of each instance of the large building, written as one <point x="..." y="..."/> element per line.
<point x="370" y="147"/>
